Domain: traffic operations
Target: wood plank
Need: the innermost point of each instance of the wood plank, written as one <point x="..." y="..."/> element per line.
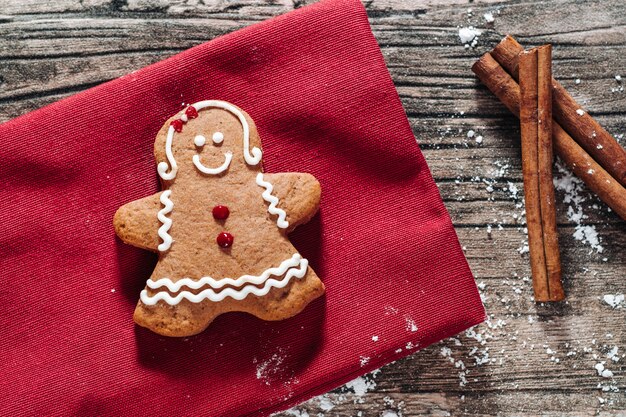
<point x="436" y="404"/>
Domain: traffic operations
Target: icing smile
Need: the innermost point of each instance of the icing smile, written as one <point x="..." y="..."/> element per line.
<point x="228" y="157"/>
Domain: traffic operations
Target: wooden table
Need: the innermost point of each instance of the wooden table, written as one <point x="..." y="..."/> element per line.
<point x="528" y="359"/>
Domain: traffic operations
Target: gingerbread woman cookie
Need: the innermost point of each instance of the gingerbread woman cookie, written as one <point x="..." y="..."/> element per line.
<point x="219" y="226"/>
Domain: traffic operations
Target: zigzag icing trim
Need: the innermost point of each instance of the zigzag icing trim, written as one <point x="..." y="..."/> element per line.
<point x="281" y="222"/>
<point x="166" y="221"/>
<point x="216" y="284"/>
<point x="210" y="294"/>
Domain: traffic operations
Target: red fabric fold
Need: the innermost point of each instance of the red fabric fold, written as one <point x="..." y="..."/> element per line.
<point x="315" y="82"/>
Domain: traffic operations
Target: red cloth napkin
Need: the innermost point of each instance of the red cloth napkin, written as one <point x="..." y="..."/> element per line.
<point x="315" y="82"/>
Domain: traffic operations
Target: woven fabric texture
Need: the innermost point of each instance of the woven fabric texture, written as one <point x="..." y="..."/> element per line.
<point x="315" y="82"/>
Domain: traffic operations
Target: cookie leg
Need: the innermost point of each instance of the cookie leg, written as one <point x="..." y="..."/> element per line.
<point x="283" y="303"/>
<point x="184" y="319"/>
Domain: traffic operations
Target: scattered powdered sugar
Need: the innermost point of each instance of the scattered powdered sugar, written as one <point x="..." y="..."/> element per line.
<point x="297" y="412"/>
<point x="602" y="371"/>
<point x="614" y="301"/>
<point x="446" y="352"/>
<point x="478" y="342"/>
<point x="483" y="346"/>
<point x="391" y="310"/>
<point x="469" y="36"/>
<point x="471" y="134"/>
<point x="524" y="248"/>
<point x="362" y="384"/>
<point x="352" y="392"/>
<point x="620" y="86"/>
<point x="410" y="324"/>
<point x="476" y="347"/>
<point x="325" y="403"/>
<point x="513" y="190"/>
<point x="266" y="370"/>
<point x="613" y="354"/>
<point x="489" y="17"/>
<point x="572" y="187"/>
<point x="588" y="234"/>
<point x="479" y="353"/>
<point x="502" y="169"/>
<point x="580" y="112"/>
<point x="273" y="368"/>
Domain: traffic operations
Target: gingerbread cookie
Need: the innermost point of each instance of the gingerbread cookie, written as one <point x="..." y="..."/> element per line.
<point x="219" y="226"/>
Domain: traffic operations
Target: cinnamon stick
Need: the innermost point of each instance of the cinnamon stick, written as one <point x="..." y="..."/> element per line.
<point x="575" y="158"/>
<point x="585" y="130"/>
<point x="529" y="135"/>
<point x="536" y="127"/>
<point x="546" y="184"/>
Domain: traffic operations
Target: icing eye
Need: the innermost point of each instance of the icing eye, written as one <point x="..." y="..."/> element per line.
<point x="199" y="140"/>
<point x="218" y="137"/>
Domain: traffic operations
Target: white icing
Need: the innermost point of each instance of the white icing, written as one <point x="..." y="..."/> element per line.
<point x="296" y="266"/>
<point x="228" y="157"/>
<point x="216" y="284"/>
<point x="162" y="167"/>
<point x="281" y="221"/>
<point x="199" y="141"/>
<point x="166" y="222"/>
<point x="218" y="137"/>
<point x="251" y="156"/>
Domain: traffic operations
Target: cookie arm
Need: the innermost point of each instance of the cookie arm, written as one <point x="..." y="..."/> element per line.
<point x="136" y="223"/>
<point x="298" y="194"/>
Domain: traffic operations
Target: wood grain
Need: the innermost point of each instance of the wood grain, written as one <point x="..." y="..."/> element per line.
<point x="52" y="49"/>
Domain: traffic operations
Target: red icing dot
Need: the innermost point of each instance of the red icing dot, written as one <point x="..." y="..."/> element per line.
<point x="225" y="240"/>
<point x="220" y="212"/>
<point x="178" y="125"/>
<point x="191" y="112"/>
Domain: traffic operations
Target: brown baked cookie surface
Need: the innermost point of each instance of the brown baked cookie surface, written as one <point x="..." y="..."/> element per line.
<point x="219" y="226"/>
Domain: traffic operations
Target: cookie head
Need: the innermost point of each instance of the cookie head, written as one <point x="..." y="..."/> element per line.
<point x="208" y="139"/>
